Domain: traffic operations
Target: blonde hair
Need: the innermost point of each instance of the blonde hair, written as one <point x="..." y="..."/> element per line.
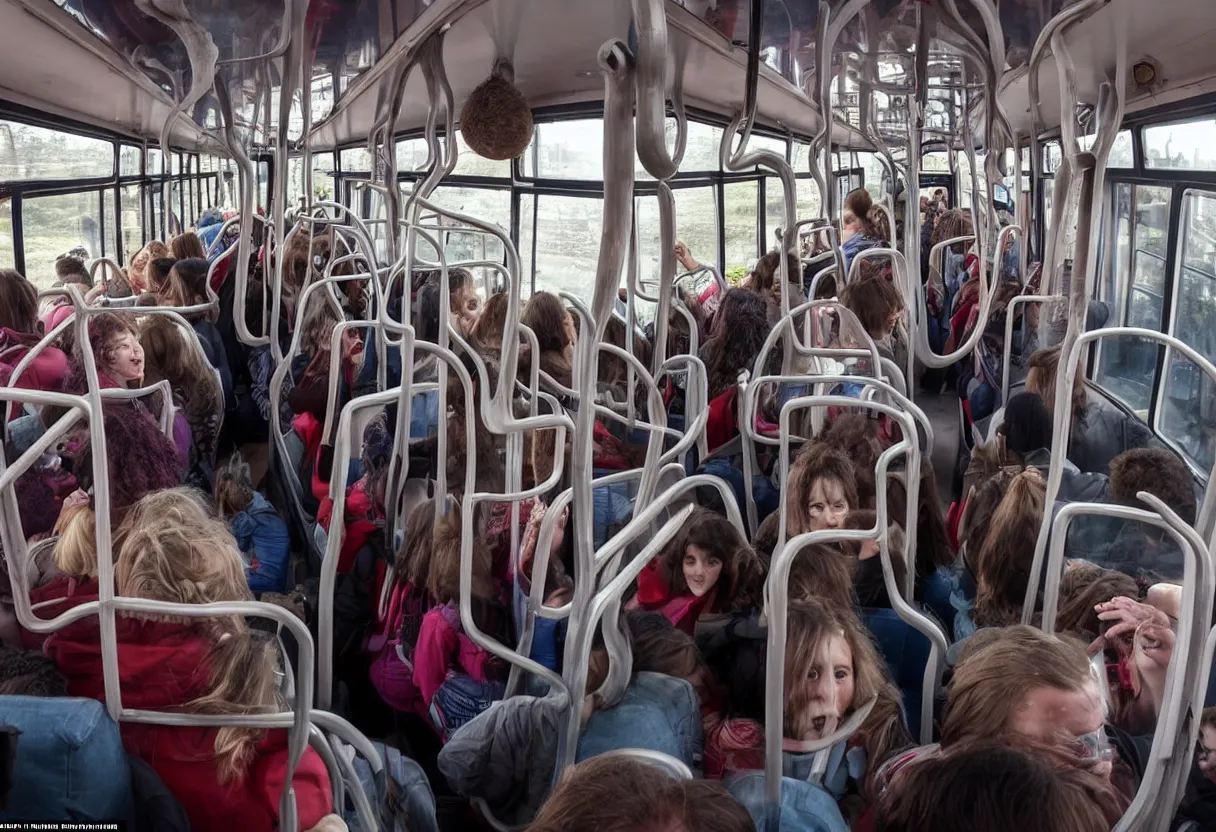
<point x="76" y="547"/>
<point x="170" y="549"/>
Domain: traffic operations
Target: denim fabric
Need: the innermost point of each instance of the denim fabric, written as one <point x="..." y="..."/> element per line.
<point x="658" y="712"/>
<point x="844" y="765"/>
<point x="70" y="761"/>
<point x="906" y="651"/>
<point x="424" y="414"/>
<point x="805" y="807"/>
<point x="962" y="598"/>
<point x="935" y="593"/>
<point x="408" y="804"/>
<point x="766" y="495"/>
<point x="460" y="698"/>
<point x="265" y="543"/>
<point x="613" y="508"/>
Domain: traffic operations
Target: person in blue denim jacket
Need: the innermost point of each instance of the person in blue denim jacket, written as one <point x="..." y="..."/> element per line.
<point x="261" y="534"/>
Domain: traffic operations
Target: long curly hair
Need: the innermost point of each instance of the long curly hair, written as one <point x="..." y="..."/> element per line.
<point x="739" y="331"/>
<point x="169" y="548"/>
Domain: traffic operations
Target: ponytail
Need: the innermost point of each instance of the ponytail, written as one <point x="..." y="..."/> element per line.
<point x="859" y="204"/>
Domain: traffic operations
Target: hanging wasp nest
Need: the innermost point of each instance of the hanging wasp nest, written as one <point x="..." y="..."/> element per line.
<point x="496" y="121"/>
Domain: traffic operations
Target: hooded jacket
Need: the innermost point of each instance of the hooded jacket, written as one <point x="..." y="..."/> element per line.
<point x="266" y="544"/>
<point x="162" y="666"/>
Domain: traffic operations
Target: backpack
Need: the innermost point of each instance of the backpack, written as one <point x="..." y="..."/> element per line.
<point x="392" y="649"/>
<point x="400" y="795"/>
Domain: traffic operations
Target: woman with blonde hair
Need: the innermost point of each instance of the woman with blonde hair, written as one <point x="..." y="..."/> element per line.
<point x="168" y="548"/>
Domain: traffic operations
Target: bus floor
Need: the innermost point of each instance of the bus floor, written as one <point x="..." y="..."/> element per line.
<point x="942" y="410"/>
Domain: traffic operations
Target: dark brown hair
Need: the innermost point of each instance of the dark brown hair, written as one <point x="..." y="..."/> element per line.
<point x="545" y="315"/>
<point x="953" y="223"/>
<point x="740" y="579"/>
<point x="1083" y="586"/>
<point x="856" y="435"/>
<point x="871" y="587"/>
<point x="1159" y="472"/>
<point x="932" y="537"/>
<point x="186" y="246"/>
<point x="859" y="207"/>
<point x="764" y="276"/>
<point x="995" y="787"/>
<point x="739" y="330"/>
<point x="18" y="303"/>
<point x="873" y="298"/>
<point x="820" y="571"/>
<point x="611" y="793"/>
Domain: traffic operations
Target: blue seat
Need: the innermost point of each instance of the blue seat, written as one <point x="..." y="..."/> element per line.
<point x="70" y="761"/>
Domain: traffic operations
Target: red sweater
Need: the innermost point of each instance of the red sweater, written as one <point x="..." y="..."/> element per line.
<point x="161" y="666"/>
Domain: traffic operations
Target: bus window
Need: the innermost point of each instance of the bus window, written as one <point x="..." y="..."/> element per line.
<point x="773" y="210"/>
<point x="566" y="150"/>
<point x="1121" y="155"/>
<point x="1185" y="146"/>
<point x="132" y="220"/>
<point x="54" y="224"/>
<point x="7" y="254"/>
<point x="130" y="161"/>
<point x="697" y="223"/>
<point x="1150" y="231"/>
<point x="1188" y="412"/>
<point x="569" y="229"/>
<point x="29" y="153"/>
<point x="809" y="204"/>
<point x="1133" y="289"/>
<point x="110" y="236"/>
<point x="485" y="204"/>
<point x="740" y="223"/>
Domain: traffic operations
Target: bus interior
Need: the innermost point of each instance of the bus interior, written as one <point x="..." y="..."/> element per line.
<point x="631" y="414"/>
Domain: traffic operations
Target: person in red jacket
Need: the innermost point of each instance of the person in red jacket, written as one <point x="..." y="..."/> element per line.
<point x="19" y="331"/>
<point x="707" y="568"/>
<point x="169" y="549"/>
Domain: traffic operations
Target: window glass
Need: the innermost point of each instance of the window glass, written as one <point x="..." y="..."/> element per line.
<point x="130" y="160"/>
<point x="358" y="160"/>
<point x="468" y="163"/>
<point x="177" y="163"/>
<point x="935" y="161"/>
<point x="1188" y="411"/>
<point x="411" y="156"/>
<point x="52" y="226"/>
<point x="1150" y="230"/>
<point x="702" y="148"/>
<point x="1121" y="154"/>
<point x="295" y="181"/>
<point x="322" y="178"/>
<point x="568" y="150"/>
<point x="1187" y="146"/>
<point x="110" y="238"/>
<point x="177" y="217"/>
<point x="38" y="153"/>
<point x="740" y="215"/>
<point x="263" y="185"/>
<point x="758" y="143"/>
<point x="485" y="204"/>
<point x="1051" y="157"/>
<point x="132" y="222"/>
<point x="568" y="233"/>
<point x="809" y="205"/>
<point x="527" y="213"/>
<point x="774" y="208"/>
<point x="156" y="161"/>
<point x="697" y="223"/>
<point x="8" y="258"/>
<point x="800" y="157"/>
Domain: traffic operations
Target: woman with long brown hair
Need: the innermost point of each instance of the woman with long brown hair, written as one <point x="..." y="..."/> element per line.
<point x="547" y="317"/>
<point x="831" y="670"/>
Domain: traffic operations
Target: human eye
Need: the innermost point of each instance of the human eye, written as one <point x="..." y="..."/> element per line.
<point x="713" y="563"/>
<point x="843" y="673"/>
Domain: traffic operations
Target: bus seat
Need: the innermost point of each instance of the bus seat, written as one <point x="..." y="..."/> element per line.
<point x="70" y="761"/>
